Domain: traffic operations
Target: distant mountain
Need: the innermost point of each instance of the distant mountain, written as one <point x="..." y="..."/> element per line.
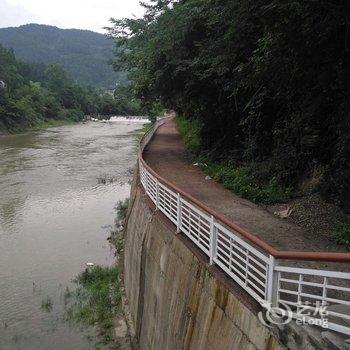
<point x="83" y="53"/>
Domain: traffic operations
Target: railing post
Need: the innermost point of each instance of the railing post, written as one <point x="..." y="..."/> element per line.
<point x="213" y="240"/>
<point x="178" y="207"/>
<point x="140" y="171"/>
<point x="300" y="287"/>
<point x="324" y="290"/>
<point x="157" y="194"/>
<point x="272" y="282"/>
<point x="146" y="189"/>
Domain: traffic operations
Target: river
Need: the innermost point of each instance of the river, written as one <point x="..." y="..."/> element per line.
<point x="58" y="189"/>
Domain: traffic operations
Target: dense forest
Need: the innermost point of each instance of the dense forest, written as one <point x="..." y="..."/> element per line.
<point x="84" y="54"/>
<point x="263" y="82"/>
<point x="32" y="94"/>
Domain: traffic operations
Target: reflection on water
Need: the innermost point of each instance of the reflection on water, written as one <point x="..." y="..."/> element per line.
<point x="53" y="217"/>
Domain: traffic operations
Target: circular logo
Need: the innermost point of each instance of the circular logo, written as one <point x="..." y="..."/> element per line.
<point x="275" y="315"/>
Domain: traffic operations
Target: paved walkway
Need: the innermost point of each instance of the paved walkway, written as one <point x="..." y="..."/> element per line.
<point x="166" y="155"/>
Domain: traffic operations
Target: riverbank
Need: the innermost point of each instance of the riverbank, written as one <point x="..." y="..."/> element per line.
<point x="49" y="123"/>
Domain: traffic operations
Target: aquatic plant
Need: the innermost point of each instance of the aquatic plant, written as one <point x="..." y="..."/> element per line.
<point x="95" y="300"/>
<point x="47" y="304"/>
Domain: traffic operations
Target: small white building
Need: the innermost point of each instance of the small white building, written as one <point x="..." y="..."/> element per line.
<point x="2" y="84"/>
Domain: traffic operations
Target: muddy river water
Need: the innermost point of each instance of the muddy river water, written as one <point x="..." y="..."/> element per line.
<point x="58" y="189"/>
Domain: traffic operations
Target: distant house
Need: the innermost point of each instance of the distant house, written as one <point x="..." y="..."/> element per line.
<point x="2" y="84"/>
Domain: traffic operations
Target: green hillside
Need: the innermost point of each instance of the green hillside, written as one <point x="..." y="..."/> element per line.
<point x="83" y="53"/>
<point x="27" y="102"/>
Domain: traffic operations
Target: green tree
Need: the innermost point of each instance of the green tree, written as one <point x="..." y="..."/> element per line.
<point x="269" y="81"/>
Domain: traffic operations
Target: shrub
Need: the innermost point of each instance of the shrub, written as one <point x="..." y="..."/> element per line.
<point x="245" y="181"/>
<point x="116" y="237"/>
<point x="342" y="234"/>
<point x="190" y="130"/>
<point x="95" y="299"/>
<point x="122" y="210"/>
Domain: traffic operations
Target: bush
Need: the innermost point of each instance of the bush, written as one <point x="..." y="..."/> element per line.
<point x="75" y="114"/>
<point x="244" y="181"/>
<point x="96" y="299"/>
<point x="342" y="235"/>
<point x="122" y="210"/>
<point x="190" y="130"/>
<point x="117" y="235"/>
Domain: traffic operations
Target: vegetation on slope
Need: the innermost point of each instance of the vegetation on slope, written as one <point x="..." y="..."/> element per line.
<point x="342" y="235"/>
<point x="117" y="235"/>
<point x="249" y="180"/>
<point x="95" y="301"/>
<point x="26" y="103"/>
<point x="84" y="54"/>
<point x="268" y="82"/>
<point x="190" y="131"/>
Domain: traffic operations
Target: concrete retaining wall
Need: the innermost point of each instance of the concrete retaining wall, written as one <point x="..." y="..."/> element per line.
<point x="178" y="302"/>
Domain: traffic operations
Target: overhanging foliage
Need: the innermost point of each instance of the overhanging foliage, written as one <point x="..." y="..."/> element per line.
<point x="268" y="79"/>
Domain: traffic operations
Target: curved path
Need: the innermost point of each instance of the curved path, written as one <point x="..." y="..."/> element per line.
<point x="166" y="155"/>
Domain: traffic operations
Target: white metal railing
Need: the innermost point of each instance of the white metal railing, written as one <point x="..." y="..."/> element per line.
<point x="257" y="271"/>
<point x="297" y="288"/>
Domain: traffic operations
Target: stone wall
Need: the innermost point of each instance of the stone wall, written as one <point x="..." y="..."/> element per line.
<point x="178" y="301"/>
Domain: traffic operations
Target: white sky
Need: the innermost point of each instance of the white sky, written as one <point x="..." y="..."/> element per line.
<point x="81" y="14"/>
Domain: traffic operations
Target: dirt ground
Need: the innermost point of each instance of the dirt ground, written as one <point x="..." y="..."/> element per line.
<point x="317" y="217"/>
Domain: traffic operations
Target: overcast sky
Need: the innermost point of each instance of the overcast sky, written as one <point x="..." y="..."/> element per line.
<point x="81" y="14"/>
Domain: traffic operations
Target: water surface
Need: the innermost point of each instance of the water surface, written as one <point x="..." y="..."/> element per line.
<point x="58" y="188"/>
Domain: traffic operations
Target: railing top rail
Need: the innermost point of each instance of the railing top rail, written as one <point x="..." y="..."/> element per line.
<point x="278" y="254"/>
<point x="312" y="272"/>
